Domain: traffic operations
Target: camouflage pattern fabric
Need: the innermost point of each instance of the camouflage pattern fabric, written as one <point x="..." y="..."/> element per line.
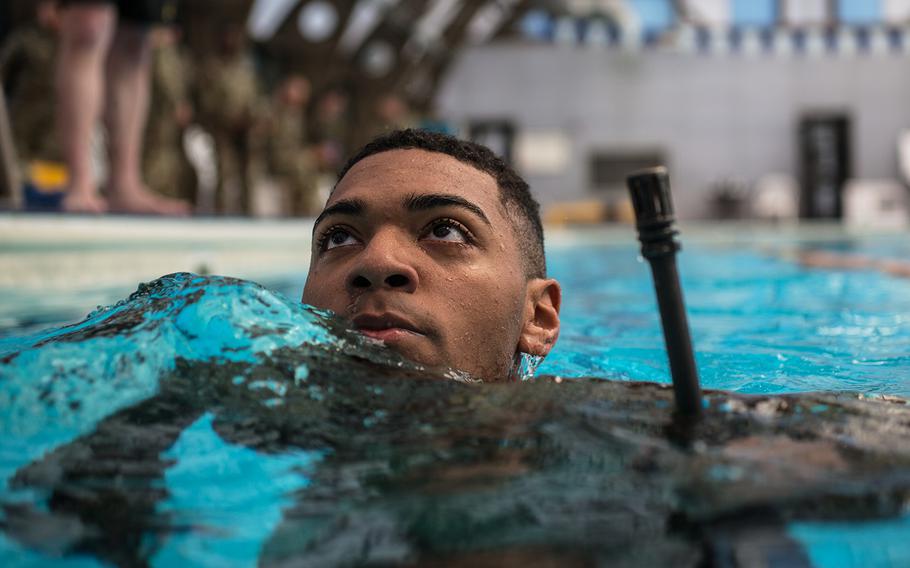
<point x="166" y="168"/>
<point x="291" y="160"/>
<point x="27" y="66"/>
<point x="229" y="107"/>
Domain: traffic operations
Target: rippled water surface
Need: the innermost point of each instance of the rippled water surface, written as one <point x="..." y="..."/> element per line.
<point x="761" y="322"/>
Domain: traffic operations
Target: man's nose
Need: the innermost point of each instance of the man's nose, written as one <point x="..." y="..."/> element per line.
<point x="384" y="264"/>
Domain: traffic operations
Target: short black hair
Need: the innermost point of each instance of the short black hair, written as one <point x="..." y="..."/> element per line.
<point x="514" y="192"/>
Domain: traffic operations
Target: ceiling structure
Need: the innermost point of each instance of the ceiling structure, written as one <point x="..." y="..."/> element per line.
<point x="392" y="41"/>
<point x="378" y="45"/>
<point x="371" y="47"/>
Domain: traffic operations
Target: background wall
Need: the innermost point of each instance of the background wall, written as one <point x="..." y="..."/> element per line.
<point x="714" y="117"/>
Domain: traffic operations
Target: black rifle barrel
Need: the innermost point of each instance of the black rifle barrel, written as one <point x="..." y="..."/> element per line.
<point x="655" y="222"/>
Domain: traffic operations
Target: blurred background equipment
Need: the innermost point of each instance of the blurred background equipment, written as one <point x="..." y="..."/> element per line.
<point x="775" y="198"/>
<point x="876" y="204"/>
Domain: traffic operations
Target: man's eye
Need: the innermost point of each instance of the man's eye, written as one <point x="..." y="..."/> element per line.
<point x="448" y="231"/>
<point x="338" y="238"/>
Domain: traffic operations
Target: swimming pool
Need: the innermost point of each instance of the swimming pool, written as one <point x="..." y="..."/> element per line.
<point x="761" y="322"/>
<point x="230" y="451"/>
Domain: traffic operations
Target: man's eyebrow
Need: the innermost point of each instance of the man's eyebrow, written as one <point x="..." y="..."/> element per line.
<point x="433" y="200"/>
<point x="342" y="207"/>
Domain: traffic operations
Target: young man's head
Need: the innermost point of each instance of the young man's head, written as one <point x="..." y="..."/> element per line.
<point x="434" y="246"/>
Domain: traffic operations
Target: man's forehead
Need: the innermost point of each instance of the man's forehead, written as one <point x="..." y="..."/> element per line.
<point x="399" y="172"/>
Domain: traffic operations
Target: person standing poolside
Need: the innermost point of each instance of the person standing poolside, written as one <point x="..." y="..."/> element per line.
<point x="230" y="107"/>
<point x="434" y="246"/>
<point x="330" y="129"/>
<point x="27" y="60"/>
<point x="103" y="68"/>
<point x="383" y="114"/>
<point x="165" y="166"/>
<point x="287" y="154"/>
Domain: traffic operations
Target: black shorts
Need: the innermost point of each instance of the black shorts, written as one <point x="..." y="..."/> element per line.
<point x="142" y="12"/>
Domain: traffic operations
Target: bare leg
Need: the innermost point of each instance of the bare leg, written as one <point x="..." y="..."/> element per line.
<point x="128" y="68"/>
<point x="85" y="35"/>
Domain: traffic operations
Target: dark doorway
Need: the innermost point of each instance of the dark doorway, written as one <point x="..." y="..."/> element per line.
<point x="824" y="164"/>
<point x="497" y="135"/>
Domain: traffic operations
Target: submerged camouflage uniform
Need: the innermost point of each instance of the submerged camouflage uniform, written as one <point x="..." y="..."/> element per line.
<point x="27" y="66"/>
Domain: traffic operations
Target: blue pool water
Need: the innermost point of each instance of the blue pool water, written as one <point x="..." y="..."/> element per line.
<point x="761" y="324"/>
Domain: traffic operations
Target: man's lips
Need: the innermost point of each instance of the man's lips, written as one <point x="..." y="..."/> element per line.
<point x="385" y="327"/>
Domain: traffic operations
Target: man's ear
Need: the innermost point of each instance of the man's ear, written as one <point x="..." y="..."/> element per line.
<point x="541" y="317"/>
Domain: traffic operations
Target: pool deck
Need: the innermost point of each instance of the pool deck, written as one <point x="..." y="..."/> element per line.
<point x="57" y="252"/>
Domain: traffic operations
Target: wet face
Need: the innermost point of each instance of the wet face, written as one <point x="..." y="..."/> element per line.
<point x="417" y="250"/>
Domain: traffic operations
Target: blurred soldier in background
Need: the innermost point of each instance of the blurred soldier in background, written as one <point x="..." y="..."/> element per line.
<point x="104" y="52"/>
<point x="393" y="113"/>
<point x="381" y="115"/>
<point x="229" y="108"/>
<point x="165" y="165"/>
<point x="27" y="62"/>
<point x="330" y="129"/>
<point x="288" y="156"/>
